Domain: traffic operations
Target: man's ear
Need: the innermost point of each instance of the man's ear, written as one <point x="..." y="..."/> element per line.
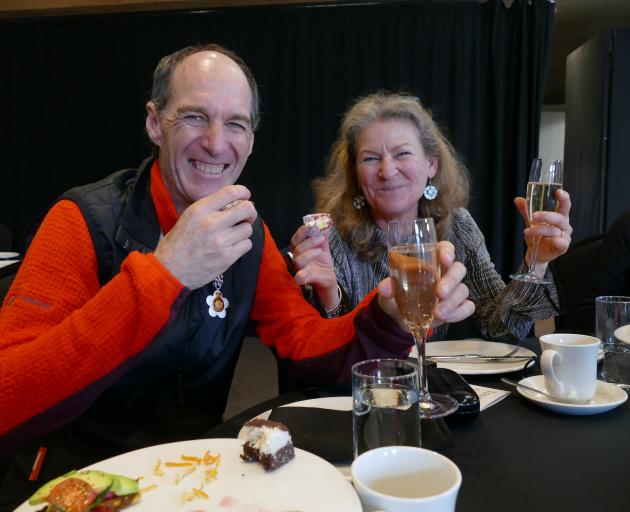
<point x="152" y="124"/>
<point x="251" y="145"/>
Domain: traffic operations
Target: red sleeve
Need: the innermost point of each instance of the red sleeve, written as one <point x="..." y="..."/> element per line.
<point x="286" y="321"/>
<point x="59" y="332"/>
<point x="318" y="350"/>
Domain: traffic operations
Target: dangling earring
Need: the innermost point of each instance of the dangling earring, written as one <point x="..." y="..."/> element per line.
<point x="358" y="202"/>
<point x="430" y="191"/>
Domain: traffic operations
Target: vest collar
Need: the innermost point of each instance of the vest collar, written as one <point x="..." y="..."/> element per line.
<point x="138" y="228"/>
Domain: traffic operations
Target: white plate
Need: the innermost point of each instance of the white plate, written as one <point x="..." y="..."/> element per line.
<point x="307" y="483"/>
<point x="9" y="255"/>
<point x="607" y="397"/>
<point x="6" y="263"/>
<point x="623" y="334"/>
<point x="477" y="346"/>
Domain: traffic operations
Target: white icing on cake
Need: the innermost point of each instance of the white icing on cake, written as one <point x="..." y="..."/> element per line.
<point x="266" y="439"/>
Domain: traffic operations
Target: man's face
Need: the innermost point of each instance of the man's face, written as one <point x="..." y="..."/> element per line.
<point x="205" y="132"/>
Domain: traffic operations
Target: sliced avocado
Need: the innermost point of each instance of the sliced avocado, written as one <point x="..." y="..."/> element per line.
<point x="42" y="493"/>
<point x="124" y="485"/>
<point x="98" y="480"/>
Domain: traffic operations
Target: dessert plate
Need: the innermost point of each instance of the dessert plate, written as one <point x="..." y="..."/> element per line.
<point x="477" y="346"/>
<point x="307" y="483"/>
<point x="607" y="397"/>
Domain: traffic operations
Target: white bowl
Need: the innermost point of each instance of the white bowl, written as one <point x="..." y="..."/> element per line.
<point x="406" y="479"/>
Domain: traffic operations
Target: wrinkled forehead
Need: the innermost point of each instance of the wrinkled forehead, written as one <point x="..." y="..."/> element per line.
<point x="207" y="71"/>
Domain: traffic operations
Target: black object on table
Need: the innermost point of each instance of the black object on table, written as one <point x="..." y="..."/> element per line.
<point x="519" y="457"/>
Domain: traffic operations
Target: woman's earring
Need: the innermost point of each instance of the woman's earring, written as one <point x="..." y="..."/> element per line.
<point x="430" y="191"/>
<point x="358" y="202"/>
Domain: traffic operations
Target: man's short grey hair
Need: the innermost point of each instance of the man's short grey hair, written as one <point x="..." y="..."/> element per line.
<point x="163" y="74"/>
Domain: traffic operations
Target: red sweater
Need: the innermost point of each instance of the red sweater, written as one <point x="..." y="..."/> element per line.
<point x="59" y="331"/>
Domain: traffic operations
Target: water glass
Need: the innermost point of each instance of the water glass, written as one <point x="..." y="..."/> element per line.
<point x="384" y="404"/>
<point x="612" y="327"/>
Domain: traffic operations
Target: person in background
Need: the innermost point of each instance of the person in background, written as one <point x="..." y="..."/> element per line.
<point x="392" y="162"/>
<point x="609" y="271"/>
<point x="124" y="323"/>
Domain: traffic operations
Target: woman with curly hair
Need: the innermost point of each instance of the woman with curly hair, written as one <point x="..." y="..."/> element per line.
<point x="392" y="162"/>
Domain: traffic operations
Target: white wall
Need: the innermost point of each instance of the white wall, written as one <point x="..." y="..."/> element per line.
<point x="551" y="137"/>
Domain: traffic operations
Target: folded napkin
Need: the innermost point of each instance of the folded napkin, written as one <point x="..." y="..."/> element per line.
<point x="324" y="432"/>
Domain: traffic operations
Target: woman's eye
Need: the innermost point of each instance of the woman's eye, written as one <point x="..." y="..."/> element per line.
<point x="369" y="159"/>
<point x="403" y="154"/>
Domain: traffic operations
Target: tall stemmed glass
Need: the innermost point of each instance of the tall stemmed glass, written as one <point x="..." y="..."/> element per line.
<point x="415" y="272"/>
<point x="544" y="182"/>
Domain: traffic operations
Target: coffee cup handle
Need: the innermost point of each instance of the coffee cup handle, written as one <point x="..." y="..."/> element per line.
<point x="547" y="364"/>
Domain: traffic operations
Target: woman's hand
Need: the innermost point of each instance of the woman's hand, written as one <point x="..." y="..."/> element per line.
<point x="453" y="304"/>
<point x="314" y="265"/>
<point x="554" y="229"/>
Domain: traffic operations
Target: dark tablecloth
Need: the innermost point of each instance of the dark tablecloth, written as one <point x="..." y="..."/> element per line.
<point x="518" y="457"/>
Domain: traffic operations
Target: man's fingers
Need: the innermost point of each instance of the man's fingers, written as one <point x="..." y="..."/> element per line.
<point x="226" y="197"/>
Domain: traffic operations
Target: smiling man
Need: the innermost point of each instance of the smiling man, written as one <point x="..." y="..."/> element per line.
<point x="123" y="326"/>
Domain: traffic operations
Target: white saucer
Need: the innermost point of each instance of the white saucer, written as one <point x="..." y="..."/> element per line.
<point x="9" y="255"/>
<point x="607" y="397"/>
<point x="623" y="334"/>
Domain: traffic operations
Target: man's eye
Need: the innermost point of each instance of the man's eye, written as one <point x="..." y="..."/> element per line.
<point x="194" y="119"/>
<point x="237" y="126"/>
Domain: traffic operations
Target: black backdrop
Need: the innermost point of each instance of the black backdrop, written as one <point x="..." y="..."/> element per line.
<point x="74" y="90"/>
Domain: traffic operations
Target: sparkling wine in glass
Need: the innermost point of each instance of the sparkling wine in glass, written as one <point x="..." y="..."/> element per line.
<point x="415" y="272"/>
<point x="544" y="182"/>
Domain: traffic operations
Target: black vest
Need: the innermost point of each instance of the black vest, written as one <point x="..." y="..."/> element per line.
<point x="179" y="384"/>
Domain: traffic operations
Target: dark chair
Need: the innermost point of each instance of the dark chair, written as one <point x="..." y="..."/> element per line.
<point x="6" y="238"/>
<point x="5" y="284"/>
<point x="571" y="274"/>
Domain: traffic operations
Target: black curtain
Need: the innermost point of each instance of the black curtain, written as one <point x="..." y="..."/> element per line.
<point x="75" y="89"/>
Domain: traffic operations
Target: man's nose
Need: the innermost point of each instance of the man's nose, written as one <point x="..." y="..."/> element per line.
<point x="213" y="139"/>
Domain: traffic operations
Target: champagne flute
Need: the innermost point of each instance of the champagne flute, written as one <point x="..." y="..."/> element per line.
<point x="544" y="182"/>
<point x="415" y="272"/>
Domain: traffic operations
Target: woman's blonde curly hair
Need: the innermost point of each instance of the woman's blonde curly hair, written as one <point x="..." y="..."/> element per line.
<point x="335" y="190"/>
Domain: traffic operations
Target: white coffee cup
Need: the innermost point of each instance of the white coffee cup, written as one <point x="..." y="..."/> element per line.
<point x="406" y="479"/>
<point x="569" y="365"/>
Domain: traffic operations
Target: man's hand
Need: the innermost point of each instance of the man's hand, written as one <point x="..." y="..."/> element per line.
<point x="207" y="239"/>
<point x="453" y="304"/>
<point x="314" y="265"/>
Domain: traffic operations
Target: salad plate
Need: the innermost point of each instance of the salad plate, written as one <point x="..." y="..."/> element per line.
<point x="172" y="480"/>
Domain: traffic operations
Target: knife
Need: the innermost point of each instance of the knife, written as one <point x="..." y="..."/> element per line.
<point x="473" y="358"/>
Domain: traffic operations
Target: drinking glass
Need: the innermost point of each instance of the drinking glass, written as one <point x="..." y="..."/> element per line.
<point x="415" y="272"/>
<point x="544" y="181"/>
<point x="384" y="404"/>
<point x="612" y="327"/>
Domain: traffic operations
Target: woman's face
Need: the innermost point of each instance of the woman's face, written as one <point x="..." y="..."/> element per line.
<point x="392" y="169"/>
